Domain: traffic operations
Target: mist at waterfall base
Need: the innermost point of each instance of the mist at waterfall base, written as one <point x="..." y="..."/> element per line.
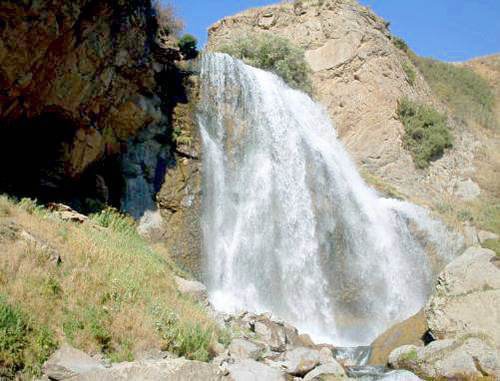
<point x="290" y="227"/>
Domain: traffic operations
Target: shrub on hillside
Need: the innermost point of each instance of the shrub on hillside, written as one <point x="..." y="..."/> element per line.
<point x="410" y="72"/>
<point x="426" y="132"/>
<point x="23" y="347"/>
<point x="116" y="221"/>
<point x="275" y="54"/>
<point x="466" y="93"/>
<point x="400" y="44"/>
<point x="187" y="45"/>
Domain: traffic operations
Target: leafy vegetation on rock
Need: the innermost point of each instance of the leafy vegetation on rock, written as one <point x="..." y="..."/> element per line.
<point x="112" y="292"/>
<point x="400" y="44"/>
<point x="411" y="75"/>
<point x="24" y="346"/>
<point x="273" y="53"/>
<point x="187" y="45"/>
<point x="466" y="93"/>
<point x="426" y="132"/>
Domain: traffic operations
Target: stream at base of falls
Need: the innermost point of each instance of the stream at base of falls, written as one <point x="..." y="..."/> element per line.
<point x="290" y="227"/>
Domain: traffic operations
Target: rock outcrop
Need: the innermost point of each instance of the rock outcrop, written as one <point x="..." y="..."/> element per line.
<point x="463" y="315"/>
<point x="465" y="358"/>
<point x="411" y="331"/>
<point x="467" y="297"/>
<point x="78" y="79"/>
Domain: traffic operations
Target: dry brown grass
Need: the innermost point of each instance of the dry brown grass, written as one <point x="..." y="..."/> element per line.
<point x="110" y="293"/>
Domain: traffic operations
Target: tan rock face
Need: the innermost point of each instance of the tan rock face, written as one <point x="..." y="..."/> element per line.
<point x="358" y="76"/>
<point x="467" y="297"/>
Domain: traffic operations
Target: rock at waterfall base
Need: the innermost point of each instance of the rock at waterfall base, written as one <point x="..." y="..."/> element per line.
<point x="300" y="361"/>
<point x="192" y="288"/>
<point x="331" y="371"/>
<point x="245" y="349"/>
<point x="467" y="297"/>
<point x="251" y="370"/>
<point x="467" y="357"/>
<point x="410" y="331"/>
<point x="154" y="370"/>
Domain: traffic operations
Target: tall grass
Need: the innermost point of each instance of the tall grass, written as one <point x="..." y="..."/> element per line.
<point x="24" y="346"/>
<point x="105" y="295"/>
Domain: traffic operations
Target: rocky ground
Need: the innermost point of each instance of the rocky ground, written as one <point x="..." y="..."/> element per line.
<point x="454" y="338"/>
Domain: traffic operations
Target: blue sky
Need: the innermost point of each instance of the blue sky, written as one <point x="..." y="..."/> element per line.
<point x="450" y="30"/>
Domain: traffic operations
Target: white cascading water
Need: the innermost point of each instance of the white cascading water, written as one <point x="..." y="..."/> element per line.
<point x="289" y="225"/>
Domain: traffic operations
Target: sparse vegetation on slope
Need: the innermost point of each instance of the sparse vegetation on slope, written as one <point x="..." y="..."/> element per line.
<point x="465" y="92"/>
<point x="273" y="53"/>
<point x="426" y="132"/>
<point x="24" y="345"/>
<point x="110" y="293"/>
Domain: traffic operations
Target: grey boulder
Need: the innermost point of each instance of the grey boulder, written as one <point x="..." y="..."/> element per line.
<point x="467" y="357"/>
<point x="301" y="360"/>
<point x="153" y="370"/>
<point x="467" y="297"/>
<point x="67" y="362"/>
<point x="251" y="370"/>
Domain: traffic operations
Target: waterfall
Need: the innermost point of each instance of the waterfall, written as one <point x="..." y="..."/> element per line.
<point x="289" y="225"/>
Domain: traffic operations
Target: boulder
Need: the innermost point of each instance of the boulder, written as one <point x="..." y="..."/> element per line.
<point x="410" y="331"/>
<point x="192" y="288"/>
<point x="154" y="370"/>
<point x="326" y="356"/>
<point x="326" y="372"/>
<point x="251" y="370"/>
<point x="67" y="362"/>
<point x="300" y="361"/>
<point x="467" y="357"/>
<point x="66" y="213"/>
<point x="467" y="297"/>
<point x="484" y="236"/>
<point x="278" y="335"/>
<point x="244" y="349"/>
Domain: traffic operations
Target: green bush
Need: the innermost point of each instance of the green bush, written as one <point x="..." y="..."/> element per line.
<point x="13" y="332"/>
<point x="184" y="339"/>
<point x="23" y="348"/>
<point x="400" y="44"/>
<point x="275" y="54"/>
<point x="187" y="45"/>
<point x="113" y="219"/>
<point x="410" y="72"/>
<point x="466" y="93"/>
<point x="426" y="132"/>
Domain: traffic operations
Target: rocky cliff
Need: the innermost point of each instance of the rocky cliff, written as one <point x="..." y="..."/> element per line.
<point x="360" y="74"/>
<point x="78" y="79"/>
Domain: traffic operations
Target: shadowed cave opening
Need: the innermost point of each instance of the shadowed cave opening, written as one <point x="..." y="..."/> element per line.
<point x="33" y="163"/>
